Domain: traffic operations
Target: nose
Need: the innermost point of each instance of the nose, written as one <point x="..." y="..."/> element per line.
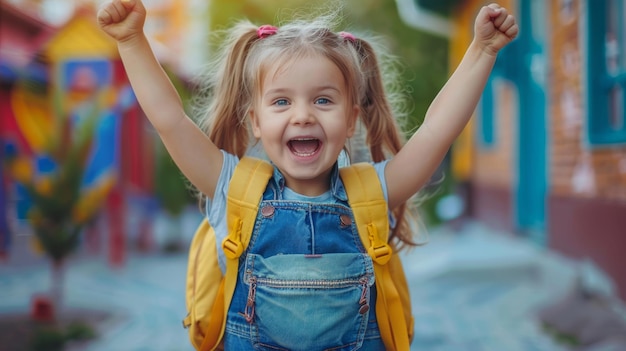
<point x="302" y="115"/>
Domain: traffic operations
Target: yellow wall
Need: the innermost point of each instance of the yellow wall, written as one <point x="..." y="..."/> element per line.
<point x="80" y="37"/>
<point x="465" y="163"/>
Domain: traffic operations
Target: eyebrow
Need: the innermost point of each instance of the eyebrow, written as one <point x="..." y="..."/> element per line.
<point x="279" y="91"/>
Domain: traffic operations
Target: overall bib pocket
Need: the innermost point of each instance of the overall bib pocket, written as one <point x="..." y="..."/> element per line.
<point x="308" y="302"/>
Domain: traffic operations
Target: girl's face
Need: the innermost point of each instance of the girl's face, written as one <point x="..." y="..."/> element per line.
<point x="303" y="118"/>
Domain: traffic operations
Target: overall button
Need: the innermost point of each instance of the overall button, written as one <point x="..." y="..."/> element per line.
<point x="345" y="220"/>
<point x="364" y="309"/>
<point x="267" y="211"/>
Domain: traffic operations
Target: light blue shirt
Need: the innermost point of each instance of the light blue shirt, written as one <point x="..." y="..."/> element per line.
<point x="216" y="207"/>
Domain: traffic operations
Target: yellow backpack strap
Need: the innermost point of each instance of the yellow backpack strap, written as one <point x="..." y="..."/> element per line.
<point x="246" y="188"/>
<point x="369" y="207"/>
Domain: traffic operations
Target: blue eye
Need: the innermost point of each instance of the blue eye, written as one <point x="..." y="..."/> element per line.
<point x="281" y="102"/>
<point x="322" y="101"/>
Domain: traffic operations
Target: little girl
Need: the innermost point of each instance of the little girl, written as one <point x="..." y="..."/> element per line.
<point x="299" y="90"/>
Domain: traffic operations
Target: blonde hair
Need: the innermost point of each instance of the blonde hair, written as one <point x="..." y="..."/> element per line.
<point x="236" y="74"/>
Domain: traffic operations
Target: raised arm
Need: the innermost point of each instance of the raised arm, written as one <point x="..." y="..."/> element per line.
<point x="452" y="108"/>
<point x="194" y="153"/>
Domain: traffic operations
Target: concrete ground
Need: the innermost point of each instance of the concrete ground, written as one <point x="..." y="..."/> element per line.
<point x="472" y="289"/>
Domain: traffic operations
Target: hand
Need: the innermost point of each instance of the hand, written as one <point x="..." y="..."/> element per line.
<point x="122" y="19"/>
<point x="494" y="28"/>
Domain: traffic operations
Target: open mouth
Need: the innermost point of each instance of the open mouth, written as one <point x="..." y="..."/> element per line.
<point x="304" y="146"/>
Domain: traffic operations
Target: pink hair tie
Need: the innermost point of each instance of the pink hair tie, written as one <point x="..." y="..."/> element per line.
<point x="266" y="30"/>
<point x="347" y="36"/>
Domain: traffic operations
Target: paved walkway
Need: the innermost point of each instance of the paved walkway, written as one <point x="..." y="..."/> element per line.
<point x="477" y="290"/>
<point x="472" y="290"/>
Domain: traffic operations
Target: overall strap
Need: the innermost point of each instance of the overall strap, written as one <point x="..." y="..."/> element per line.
<point x="245" y="191"/>
<point x="366" y="199"/>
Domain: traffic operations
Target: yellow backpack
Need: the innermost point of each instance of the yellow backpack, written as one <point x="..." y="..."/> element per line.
<point x="209" y="293"/>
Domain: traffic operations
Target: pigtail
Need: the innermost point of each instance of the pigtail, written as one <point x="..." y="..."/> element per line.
<point x="231" y="96"/>
<point x="383" y="133"/>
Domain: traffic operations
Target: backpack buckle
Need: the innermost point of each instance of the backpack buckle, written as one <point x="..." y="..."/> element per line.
<point x="380" y="254"/>
<point x="379" y="250"/>
<point x="232" y="248"/>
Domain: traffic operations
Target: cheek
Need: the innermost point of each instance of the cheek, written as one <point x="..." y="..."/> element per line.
<point x="267" y="129"/>
<point x="338" y="132"/>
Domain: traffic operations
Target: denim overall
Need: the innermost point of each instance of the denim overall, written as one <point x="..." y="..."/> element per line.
<point x="305" y="282"/>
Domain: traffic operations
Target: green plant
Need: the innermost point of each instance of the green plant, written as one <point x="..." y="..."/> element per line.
<point x="61" y="205"/>
<point x="170" y="186"/>
<point x="48" y="339"/>
<point x="560" y="337"/>
<point x="55" y="338"/>
<point x="79" y="331"/>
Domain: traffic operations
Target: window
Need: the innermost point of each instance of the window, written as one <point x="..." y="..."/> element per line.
<point x="607" y="72"/>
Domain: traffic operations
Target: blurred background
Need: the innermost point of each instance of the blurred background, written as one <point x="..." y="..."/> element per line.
<point x="525" y="219"/>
